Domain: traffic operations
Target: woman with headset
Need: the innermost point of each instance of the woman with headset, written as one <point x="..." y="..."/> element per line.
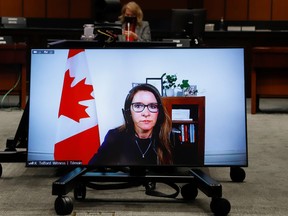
<point x="144" y="139"/>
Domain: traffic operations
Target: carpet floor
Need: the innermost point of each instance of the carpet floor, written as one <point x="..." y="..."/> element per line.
<point x="28" y="191"/>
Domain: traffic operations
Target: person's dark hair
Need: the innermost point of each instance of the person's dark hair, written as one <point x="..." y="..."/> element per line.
<point x="163" y="125"/>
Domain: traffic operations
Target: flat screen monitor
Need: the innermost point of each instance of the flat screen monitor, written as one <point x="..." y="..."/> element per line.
<point x="77" y="96"/>
<point x="188" y="23"/>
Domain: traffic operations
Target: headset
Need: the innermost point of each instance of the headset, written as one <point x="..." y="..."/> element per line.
<point x="127" y="112"/>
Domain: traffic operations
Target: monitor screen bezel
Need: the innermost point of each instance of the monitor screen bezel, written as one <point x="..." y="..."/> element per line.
<point x="146" y="46"/>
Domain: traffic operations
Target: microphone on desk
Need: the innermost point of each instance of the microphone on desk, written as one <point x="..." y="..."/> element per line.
<point x="130" y="27"/>
<point x="128" y="30"/>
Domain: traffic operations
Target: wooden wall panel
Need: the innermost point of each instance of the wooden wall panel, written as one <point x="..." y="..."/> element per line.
<point x="279" y="10"/>
<point x="167" y="4"/>
<point x="57" y="8"/>
<point x="80" y="9"/>
<point x="259" y="10"/>
<point x="160" y="4"/>
<point x="236" y="10"/>
<point x="195" y="3"/>
<point x="34" y="8"/>
<point x="12" y="8"/>
<point x="215" y="9"/>
<point x="229" y="9"/>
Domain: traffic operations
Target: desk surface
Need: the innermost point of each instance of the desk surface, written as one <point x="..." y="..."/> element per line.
<point x="37" y="37"/>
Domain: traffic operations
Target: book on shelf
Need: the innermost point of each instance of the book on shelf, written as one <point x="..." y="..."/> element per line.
<point x="181" y="114"/>
<point x="192" y="133"/>
<point x="186" y="133"/>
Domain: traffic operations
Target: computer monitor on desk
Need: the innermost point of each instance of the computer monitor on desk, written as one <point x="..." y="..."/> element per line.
<point x="188" y="24"/>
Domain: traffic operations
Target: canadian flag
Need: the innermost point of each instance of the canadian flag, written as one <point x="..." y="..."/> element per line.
<point x="78" y="133"/>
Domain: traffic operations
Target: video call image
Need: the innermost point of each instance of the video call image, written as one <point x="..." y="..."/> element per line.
<point x="77" y="96"/>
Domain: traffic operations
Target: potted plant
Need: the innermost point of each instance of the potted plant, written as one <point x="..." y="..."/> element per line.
<point x="187" y="89"/>
<point x="169" y="83"/>
<point x="184" y="85"/>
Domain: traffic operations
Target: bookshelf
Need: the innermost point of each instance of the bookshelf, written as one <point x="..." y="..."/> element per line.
<point x="188" y="123"/>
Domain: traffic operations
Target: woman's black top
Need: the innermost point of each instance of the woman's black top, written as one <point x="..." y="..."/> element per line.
<point x="125" y="149"/>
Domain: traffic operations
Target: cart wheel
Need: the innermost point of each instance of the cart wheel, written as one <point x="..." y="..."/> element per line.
<point x="63" y="205"/>
<point x="189" y="191"/>
<point x="80" y="191"/>
<point x="237" y="174"/>
<point x="220" y="206"/>
<point x="1" y="170"/>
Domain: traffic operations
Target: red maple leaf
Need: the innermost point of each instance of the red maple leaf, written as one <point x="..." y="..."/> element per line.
<point x="71" y="96"/>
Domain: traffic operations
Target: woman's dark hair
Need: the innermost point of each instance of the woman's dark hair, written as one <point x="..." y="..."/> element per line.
<point x="162" y="127"/>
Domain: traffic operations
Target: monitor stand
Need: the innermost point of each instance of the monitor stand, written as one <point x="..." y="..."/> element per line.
<point x="194" y="179"/>
<point x="80" y="178"/>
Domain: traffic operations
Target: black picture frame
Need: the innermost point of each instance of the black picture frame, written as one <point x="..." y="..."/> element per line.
<point x="156" y="82"/>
